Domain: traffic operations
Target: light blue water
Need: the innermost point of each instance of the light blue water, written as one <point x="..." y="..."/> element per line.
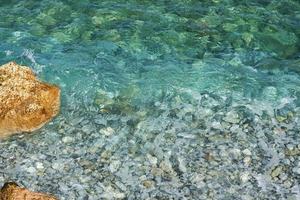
<point x="226" y="47"/>
<point x="125" y="58"/>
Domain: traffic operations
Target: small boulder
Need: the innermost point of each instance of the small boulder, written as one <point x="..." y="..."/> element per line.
<point x="26" y="103"/>
<point x="11" y="191"/>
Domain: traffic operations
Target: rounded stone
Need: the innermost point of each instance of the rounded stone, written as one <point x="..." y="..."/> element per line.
<point x="26" y="103"/>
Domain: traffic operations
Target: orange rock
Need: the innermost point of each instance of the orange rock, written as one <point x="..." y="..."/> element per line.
<point x="26" y="103"/>
<point x="11" y="191"/>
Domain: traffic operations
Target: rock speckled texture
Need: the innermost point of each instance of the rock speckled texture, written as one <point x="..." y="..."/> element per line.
<point x="11" y="191"/>
<point x="26" y="103"/>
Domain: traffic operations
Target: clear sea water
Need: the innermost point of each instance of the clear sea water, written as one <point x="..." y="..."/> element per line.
<point x="116" y="59"/>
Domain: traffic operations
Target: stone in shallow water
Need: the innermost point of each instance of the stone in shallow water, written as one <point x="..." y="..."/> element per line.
<point x="114" y="166"/>
<point x="247" y="152"/>
<point x="67" y="139"/>
<point x="232" y="117"/>
<point x="31" y="170"/>
<point x="11" y="191"/>
<point x="107" y="131"/>
<point x="276" y="171"/>
<point x="244" y="177"/>
<point x="148" y="184"/>
<point x="26" y="103"/>
<point x="152" y="159"/>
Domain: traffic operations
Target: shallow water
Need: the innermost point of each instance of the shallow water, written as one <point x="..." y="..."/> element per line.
<point x="159" y="99"/>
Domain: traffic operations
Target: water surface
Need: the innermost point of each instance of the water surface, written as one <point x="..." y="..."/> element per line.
<point x="160" y="99"/>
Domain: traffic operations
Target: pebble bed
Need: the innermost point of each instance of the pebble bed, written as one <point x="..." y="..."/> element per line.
<point x="206" y="148"/>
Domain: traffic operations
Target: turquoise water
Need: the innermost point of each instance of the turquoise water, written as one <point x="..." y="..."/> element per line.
<point x="146" y="61"/>
<point x="229" y="47"/>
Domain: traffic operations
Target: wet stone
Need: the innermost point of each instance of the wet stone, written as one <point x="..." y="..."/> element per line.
<point x="276" y="171"/>
<point x="232" y="117"/>
<point x="107" y="131"/>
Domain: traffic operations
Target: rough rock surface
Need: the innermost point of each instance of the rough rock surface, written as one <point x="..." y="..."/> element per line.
<point x="11" y="191"/>
<point x="26" y="103"/>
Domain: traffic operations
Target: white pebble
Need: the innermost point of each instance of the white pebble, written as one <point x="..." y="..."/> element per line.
<point x="114" y="166"/>
<point x="39" y="165"/>
<point x="247" y="161"/>
<point x="247" y="152"/>
<point x="31" y="170"/>
<point x="244" y="177"/>
<point x="107" y="131"/>
<point x="152" y="159"/>
<point x="67" y="139"/>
